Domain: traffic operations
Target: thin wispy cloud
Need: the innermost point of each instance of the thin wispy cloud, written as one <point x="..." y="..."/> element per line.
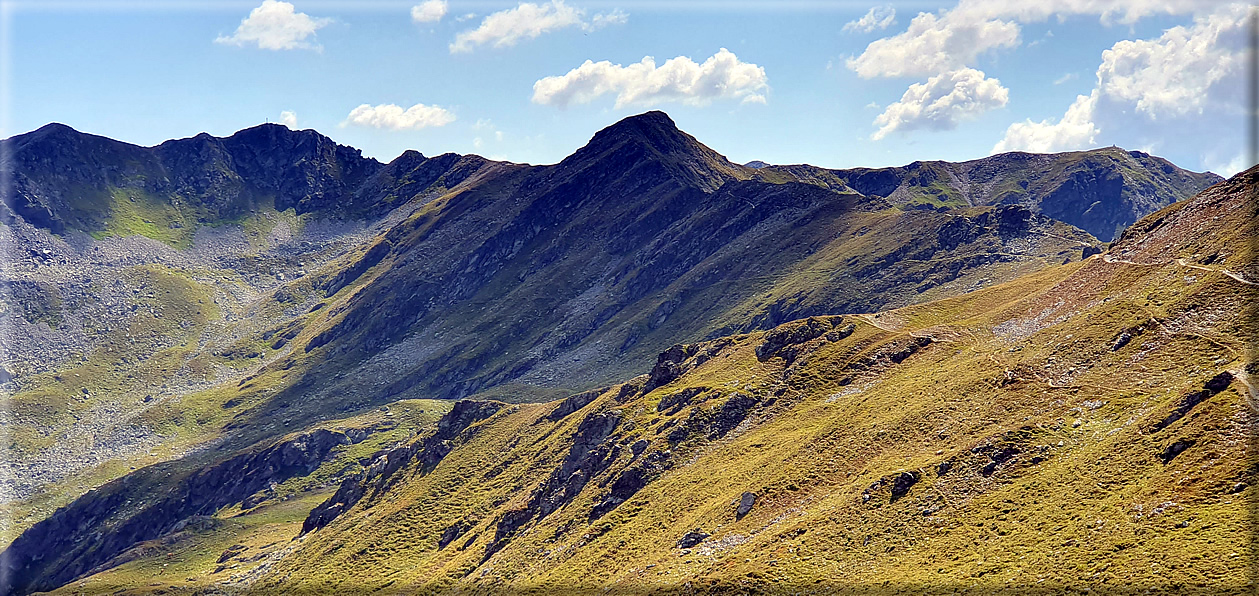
<point x="506" y="28"/>
<point x="878" y="17"/>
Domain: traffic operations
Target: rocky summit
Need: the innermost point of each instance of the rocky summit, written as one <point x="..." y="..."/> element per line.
<point x="267" y="364"/>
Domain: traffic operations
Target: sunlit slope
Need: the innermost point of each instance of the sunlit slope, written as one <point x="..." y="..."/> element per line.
<point x="1085" y="426"/>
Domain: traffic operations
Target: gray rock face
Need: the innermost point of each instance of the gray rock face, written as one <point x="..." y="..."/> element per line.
<point x="103" y="523"/>
<point x="692" y="538"/>
<point x="810" y="328"/>
<point x="746" y="501"/>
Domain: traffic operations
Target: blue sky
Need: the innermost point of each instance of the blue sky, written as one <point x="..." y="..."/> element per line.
<point x="836" y="84"/>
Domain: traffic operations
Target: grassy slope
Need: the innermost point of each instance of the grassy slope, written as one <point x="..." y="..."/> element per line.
<point x="201" y="415"/>
<point x="1026" y="364"/>
<point x="189" y="559"/>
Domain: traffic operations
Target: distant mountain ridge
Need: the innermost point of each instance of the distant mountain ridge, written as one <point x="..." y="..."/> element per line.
<point x="221" y="178"/>
<point x="1101" y="191"/>
<point x="639" y="239"/>
<point x="63" y="179"/>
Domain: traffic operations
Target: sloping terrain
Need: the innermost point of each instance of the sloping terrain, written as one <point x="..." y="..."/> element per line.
<point x="1085" y="426"/>
<point x="220" y="290"/>
<point x="145" y="348"/>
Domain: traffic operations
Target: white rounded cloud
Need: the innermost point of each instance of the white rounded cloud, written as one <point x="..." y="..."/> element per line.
<point x="932" y="45"/>
<point x="942" y="102"/>
<point x="393" y="117"/>
<point x="680" y="79"/>
<point x="1175" y="73"/>
<point x="429" y="11"/>
<point x="275" y="25"/>
<point x="1076" y="130"/>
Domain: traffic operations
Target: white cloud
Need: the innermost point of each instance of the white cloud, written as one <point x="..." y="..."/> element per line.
<point x="601" y="20"/>
<point x="275" y="25"/>
<point x="1126" y="11"/>
<point x="289" y="118"/>
<point x="932" y="45"/>
<point x="939" y="42"/>
<point x="429" y="11"/>
<point x="942" y="102"/>
<point x="1226" y="168"/>
<point x="1189" y="74"/>
<point x="1173" y="75"/>
<point x="393" y="117"/>
<point x="680" y="79"/>
<point x="878" y="17"/>
<point x="1075" y="130"/>
<point x="1066" y="77"/>
<point x="527" y="21"/>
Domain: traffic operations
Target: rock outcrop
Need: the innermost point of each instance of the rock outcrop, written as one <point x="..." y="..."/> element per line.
<point x="107" y="521"/>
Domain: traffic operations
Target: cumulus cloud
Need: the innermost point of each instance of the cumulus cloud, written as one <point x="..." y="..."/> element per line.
<point x="942" y="102"/>
<point x="393" y="117"/>
<point x="274" y="25"/>
<point x="1075" y="130"/>
<point x="932" y="45"/>
<point x="1187" y="77"/>
<point x="680" y="79"/>
<point x="1174" y="74"/>
<point x="527" y="21"/>
<point x="939" y="42"/>
<point x="429" y="11"/>
<point x="878" y="17"/>
<point x="289" y="118"/>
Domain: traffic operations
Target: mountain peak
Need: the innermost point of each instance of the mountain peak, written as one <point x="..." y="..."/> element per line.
<point x="654" y="128"/>
<point x="54" y="128"/>
<point x="653" y="138"/>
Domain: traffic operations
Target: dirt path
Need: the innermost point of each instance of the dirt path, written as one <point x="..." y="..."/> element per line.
<point x="1183" y="263"/>
<point x="1252" y="395"/>
<point x="894" y="329"/>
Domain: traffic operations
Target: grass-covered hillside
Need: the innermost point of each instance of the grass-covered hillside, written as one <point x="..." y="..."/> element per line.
<point x="156" y="321"/>
<point x="194" y="322"/>
<point x="1087" y="426"/>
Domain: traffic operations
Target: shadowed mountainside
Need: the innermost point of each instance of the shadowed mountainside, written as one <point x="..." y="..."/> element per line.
<point x="1087" y="426"/>
<point x="209" y="296"/>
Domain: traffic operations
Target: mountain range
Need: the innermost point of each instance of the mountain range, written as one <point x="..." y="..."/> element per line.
<point x="219" y="339"/>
